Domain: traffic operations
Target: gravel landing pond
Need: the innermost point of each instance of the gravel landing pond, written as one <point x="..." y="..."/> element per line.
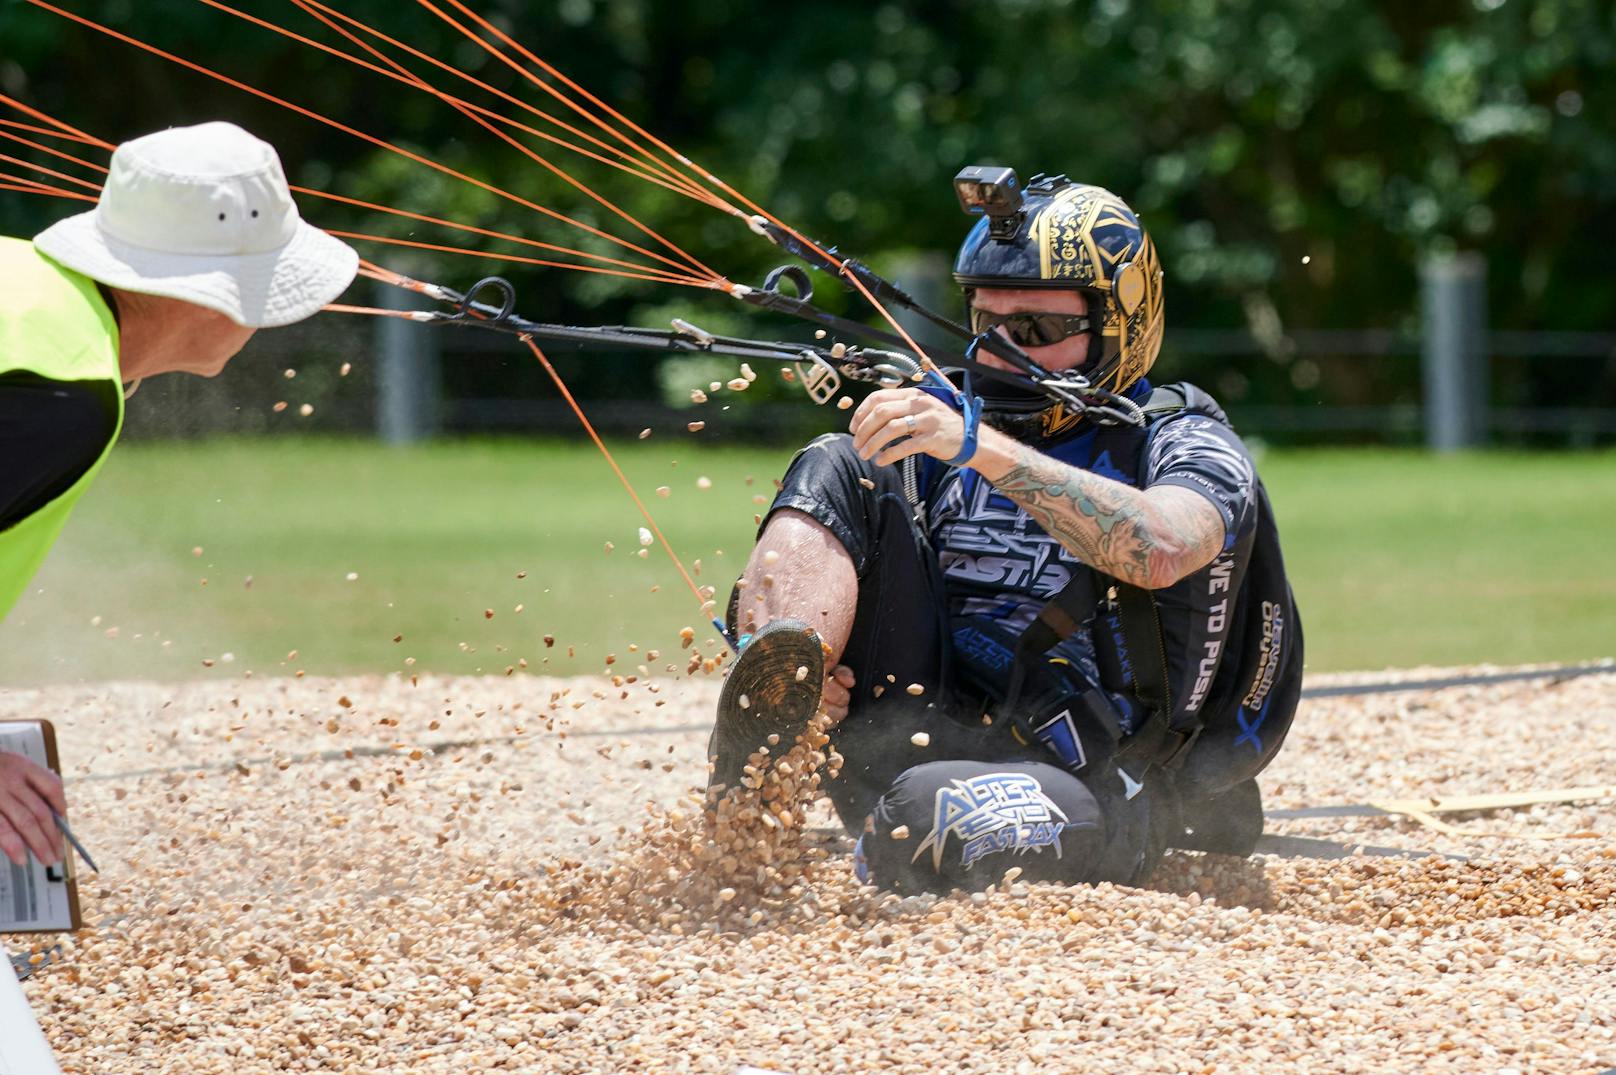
<point x="511" y="874"/>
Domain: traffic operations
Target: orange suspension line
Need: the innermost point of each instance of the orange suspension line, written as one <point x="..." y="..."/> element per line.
<point x="414" y="244"/>
<point x="388" y="276"/>
<point x="18" y="125"/>
<point x="857" y="284"/>
<point x="24" y="185"/>
<point x="31" y="144"/>
<point x="634" y="270"/>
<point x="496" y="32"/>
<point x="328" y="196"/>
<point x="371" y="271"/>
<point x="402" y="213"/>
<point x="372" y="139"/>
<point x="561" y="386"/>
<point x="368" y="311"/>
<point x="649" y="158"/>
<point x="53" y="173"/>
<point x="67" y="130"/>
<point x="702" y="598"/>
<point x="677" y="180"/>
<point x="535" y="132"/>
<point x="520" y="147"/>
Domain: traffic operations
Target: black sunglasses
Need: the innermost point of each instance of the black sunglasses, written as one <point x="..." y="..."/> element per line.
<point x="1031" y="329"/>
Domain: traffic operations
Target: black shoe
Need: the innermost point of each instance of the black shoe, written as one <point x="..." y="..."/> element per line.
<point x="1228" y="823"/>
<point x="1141" y="816"/>
<point x="772" y="689"/>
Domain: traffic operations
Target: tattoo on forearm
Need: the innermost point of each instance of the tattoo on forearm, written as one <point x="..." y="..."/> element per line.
<point x="1106" y="524"/>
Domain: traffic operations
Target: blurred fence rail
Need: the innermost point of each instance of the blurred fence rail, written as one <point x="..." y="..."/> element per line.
<point x="368" y="402"/>
<point x="1450" y="383"/>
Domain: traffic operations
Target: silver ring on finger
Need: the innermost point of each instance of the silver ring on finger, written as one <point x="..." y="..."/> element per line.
<point x="909" y="420"/>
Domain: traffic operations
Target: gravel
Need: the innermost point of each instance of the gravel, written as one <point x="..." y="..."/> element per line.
<point x="553" y="894"/>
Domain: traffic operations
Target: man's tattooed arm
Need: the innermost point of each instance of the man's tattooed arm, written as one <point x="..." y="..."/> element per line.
<point x="1151" y="537"/>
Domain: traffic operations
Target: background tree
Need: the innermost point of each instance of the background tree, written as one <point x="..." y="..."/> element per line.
<point x="1359" y="137"/>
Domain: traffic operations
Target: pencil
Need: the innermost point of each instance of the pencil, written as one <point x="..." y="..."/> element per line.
<point x="61" y="823"/>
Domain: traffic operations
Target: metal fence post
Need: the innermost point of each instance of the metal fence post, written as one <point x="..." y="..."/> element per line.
<point x="407" y="385"/>
<point x="1453" y="300"/>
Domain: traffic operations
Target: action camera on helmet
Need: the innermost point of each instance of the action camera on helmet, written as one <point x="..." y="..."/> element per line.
<point x="991" y="191"/>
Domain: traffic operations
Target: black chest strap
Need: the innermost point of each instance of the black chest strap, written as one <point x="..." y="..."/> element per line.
<point x="1155" y="741"/>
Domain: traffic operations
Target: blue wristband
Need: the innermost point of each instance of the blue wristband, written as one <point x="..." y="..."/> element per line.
<point x="971" y="412"/>
<point x="969" y="408"/>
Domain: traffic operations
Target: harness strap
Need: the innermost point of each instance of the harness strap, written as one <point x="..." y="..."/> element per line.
<point x="1155" y="741"/>
<point x="1141" y="629"/>
<point x="1058" y="620"/>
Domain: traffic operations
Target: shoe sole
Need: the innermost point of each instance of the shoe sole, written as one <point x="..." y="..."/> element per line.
<point x="777" y="702"/>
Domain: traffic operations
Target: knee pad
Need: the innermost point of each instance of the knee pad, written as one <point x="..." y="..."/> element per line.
<point x="962" y="824"/>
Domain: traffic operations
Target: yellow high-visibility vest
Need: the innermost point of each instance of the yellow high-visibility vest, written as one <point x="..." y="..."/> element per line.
<point x="54" y="323"/>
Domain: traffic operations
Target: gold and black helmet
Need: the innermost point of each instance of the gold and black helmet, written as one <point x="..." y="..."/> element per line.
<point x="1063" y="235"/>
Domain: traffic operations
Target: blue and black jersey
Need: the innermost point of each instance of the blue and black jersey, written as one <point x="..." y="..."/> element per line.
<point x="998" y="563"/>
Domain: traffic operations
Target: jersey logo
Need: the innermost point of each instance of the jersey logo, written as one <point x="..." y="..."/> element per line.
<point x="1059" y="734"/>
<point x="990" y="813"/>
<point x="983" y="540"/>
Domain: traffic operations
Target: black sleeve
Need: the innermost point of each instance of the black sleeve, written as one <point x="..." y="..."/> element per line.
<point x="1200" y="453"/>
<point x="51" y="432"/>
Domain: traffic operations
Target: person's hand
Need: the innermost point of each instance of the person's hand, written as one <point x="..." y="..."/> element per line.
<point x="28" y="793"/>
<point x="837" y="695"/>
<point x="889" y="415"/>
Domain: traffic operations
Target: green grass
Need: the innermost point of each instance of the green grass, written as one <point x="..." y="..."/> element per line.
<point x="1398" y="558"/>
<point x="436" y="535"/>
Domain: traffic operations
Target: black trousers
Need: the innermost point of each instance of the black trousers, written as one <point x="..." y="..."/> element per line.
<point x="962" y="824"/>
<point x="940" y="799"/>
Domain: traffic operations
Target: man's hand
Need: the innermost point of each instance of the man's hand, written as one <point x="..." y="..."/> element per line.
<point x="837" y="695"/>
<point x="28" y="793"/>
<point x="888" y="416"/>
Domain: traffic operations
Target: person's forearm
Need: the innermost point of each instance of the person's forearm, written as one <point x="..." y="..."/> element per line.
<point x="1150" y="538"/>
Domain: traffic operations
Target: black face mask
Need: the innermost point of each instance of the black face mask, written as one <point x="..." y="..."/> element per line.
<point x="999" y="397"/>
<point x="1023" y="427"/>
<point x="1018" y="413"/>
<point x="1030" y="329"/>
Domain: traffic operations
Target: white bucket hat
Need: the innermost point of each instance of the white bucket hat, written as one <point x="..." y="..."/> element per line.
<point x="204" y="214"/>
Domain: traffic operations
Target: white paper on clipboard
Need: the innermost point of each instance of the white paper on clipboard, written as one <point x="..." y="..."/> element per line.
<point x="22" y="1047"/>
<point x="32" y="897"/>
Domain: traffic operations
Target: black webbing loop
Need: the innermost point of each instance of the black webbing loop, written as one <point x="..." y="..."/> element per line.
<point x="1058" y="620"/>
<point x="1141" y="630"/>
<point x="1155" y="740"/>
